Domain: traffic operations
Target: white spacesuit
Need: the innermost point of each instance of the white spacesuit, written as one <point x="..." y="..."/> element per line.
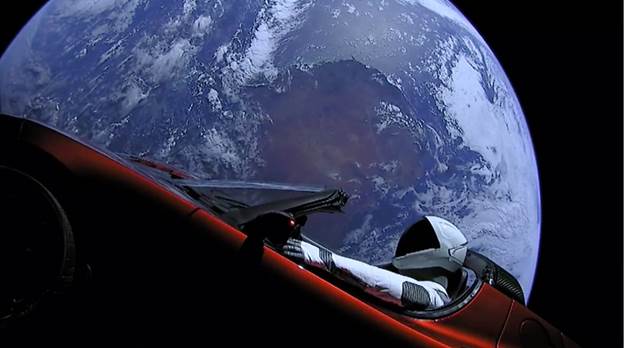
<point x="427" y="253"/>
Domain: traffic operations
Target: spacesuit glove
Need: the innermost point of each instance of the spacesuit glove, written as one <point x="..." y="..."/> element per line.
<point x="293" y="249"/>
<point x="309" y="254"/>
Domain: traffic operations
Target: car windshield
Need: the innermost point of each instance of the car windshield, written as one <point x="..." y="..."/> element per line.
<point x="238" y="202"/>
<point x="246" y="193"/>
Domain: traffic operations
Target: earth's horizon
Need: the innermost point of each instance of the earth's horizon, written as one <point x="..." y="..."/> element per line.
<point x="399" y="102"/>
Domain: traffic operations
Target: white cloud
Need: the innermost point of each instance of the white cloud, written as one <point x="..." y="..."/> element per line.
<point x="87" y="7"/>
<point x="120" y="12"/>
<point x="493" y="129"/>
<point x="219" y="148"/>
<point x="273" y="23"/>
<point x="215" y="102"/>
<point x="202" y="25"/>
<point x="188" y="7"/>
<point x="163" y="64"/>
<point x="113" y="51"/>
<point x="390" y="115"/>
<point x="132" y="96"/>
<point x="350" y="8"/>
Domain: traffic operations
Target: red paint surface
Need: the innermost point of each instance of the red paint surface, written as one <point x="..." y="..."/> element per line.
<point x="519" y="316"/>
<point x="478" y="324"/>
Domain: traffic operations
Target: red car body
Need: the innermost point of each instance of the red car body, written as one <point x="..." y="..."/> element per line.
<point x="153" y="265"/>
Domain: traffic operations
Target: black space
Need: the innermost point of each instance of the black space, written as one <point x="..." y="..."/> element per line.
<point x="564" y="60"/>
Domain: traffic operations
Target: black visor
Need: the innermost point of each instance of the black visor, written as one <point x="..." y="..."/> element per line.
<point x="420" y="236"/>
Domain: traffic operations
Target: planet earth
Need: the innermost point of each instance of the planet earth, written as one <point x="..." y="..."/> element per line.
<point x="401" y="103"/>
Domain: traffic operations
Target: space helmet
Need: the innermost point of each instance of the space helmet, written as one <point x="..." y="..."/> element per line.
<point x="431" y="243"/>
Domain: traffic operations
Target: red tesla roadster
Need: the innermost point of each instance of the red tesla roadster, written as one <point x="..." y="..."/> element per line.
<point x="104" y="248"/>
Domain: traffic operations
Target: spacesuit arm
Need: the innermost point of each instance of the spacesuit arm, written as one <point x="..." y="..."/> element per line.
<point x="386" y="285"/>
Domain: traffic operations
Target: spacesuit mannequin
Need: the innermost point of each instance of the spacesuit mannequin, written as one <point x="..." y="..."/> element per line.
<point x="427" y="253"/>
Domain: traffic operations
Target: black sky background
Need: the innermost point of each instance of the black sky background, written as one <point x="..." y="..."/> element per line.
<point x="564" y="60"/>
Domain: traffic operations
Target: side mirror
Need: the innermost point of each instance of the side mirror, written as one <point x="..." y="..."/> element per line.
<point x="276" y="226"/>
